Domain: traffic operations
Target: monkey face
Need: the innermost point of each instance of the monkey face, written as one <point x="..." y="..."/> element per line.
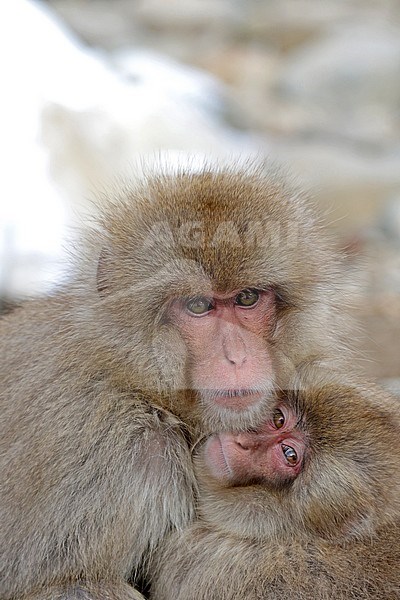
<point x="207" y="293"/>
<point x="229" y="364"/>
<point x="273" y="456"/>
<point x="318" y="465"/>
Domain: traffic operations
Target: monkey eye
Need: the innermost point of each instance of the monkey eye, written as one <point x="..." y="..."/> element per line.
<point x="200" y="305"/>
<point x="290" y="455"/>
<point x="278" y="418"/>
<point x="247" y="297"/>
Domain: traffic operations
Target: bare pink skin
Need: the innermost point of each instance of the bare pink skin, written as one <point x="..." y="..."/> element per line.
<point x="230" y="363"/>
<point x="237" y="459"/>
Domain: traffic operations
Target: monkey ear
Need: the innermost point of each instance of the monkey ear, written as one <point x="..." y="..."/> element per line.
<point x="102" y="277"/>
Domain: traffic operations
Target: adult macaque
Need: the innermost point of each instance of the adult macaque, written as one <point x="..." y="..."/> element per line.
<point x="194" y="297"/>
<point x="305" y="508"/>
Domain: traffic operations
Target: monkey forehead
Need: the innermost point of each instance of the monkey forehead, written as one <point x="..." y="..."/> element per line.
<point x="231" y="228"/>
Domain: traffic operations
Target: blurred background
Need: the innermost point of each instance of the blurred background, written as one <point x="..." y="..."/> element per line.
<point x="91" y="89"/>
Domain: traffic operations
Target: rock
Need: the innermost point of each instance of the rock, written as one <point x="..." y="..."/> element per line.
<point x="349" y="81"/>
<point x="390" y="220"/>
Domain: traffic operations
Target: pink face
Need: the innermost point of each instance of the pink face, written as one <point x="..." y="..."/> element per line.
<point x="226" y="336"/>
<point x="273" y="454"/>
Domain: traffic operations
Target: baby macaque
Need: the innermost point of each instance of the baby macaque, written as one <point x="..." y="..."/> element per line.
<point x="305" y="508"/>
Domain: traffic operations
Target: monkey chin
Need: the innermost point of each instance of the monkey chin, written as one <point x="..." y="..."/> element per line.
<point x="236" y="410"/>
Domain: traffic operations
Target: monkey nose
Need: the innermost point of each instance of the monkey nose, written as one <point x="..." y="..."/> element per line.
<point x="242" y="446"/>
<point x="245" y="443"/>
<point x="235" y="350"/>
<point x="237" y="359"/>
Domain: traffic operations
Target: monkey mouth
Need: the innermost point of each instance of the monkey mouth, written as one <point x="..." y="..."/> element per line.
<point x="239" y="392"/>
<point x="234" y="398"/>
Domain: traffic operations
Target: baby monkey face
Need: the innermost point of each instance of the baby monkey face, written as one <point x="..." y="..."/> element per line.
<point x="273" y="454"/>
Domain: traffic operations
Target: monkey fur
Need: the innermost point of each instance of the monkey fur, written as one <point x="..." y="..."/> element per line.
<point x="331" y="532"/>
<point x="98" y="410"/>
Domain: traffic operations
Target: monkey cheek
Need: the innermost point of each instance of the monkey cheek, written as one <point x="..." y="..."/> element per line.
<point x="170" y="356"/>
<point x="215" y="459"/>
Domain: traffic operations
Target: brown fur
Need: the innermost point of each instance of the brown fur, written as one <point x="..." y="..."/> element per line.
<point x="333" y="532"/>
<point x="95" y="461"/>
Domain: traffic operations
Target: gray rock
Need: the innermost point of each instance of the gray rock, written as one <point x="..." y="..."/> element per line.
<point x="349" y="81"/>
<point x="390" y="220"/>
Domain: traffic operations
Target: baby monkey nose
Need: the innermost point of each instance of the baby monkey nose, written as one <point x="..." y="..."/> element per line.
<point x="245" y="442"/>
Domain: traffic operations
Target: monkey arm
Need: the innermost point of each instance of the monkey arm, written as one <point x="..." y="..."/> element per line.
<point x="97" y="510"/>
<point x="204" y="564"/>
<point x="103" y="591"/>
<point x="93" y="477"/>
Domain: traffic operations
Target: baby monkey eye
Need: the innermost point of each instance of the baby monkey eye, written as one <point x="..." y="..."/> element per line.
<point x="278" y="418"/>
<point x="200" y="305"/>
<point x="290" y="455"/>
<point x="247" y="297"/>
